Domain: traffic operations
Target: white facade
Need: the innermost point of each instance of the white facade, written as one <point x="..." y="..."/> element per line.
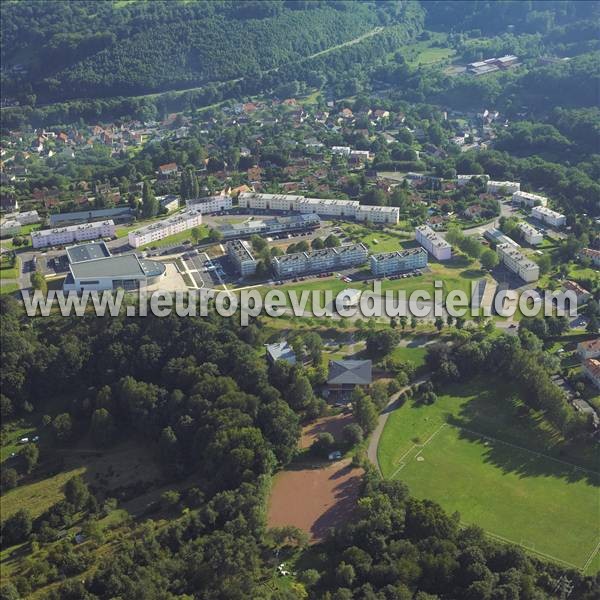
<point x="318" y="261"/>
<point x="510" y="187"/>
<point x="433" y="243"/>
<point x="530" y="234"/>
<point x="210" y="204"/>
<point x="283" y="202"/>
<point x="325" y="207"/>
<point x="378" y="214"/>
<point x="390" y="263"/>
<point x="517" y="263"/>
<point x="529" y="200"/>
<point x="162" y="229"/>
<point x="73" y="233"/>
<point x="342" y="150"/>
<point x="464" y="179"/>
<point x="546" y="215"/>
<point x="9" y="228"/>
<point x="25" y="218"/>
<point x="241" y="256"/>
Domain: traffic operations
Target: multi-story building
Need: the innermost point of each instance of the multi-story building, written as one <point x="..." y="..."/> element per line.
<point x="526" y="269"/>
<point x="507" y="187"/>
<point x="282" y="202"/>
<point x="378" y="214"/>
<point x="162" y="229"/>
<point x="464" y="179"/>
<point x="390" y="263"/>
<point x="270" y="226"/>
<point x="433" y="243"/>
<point x="72" y="233"/>
<point x="10" y="228"/>
<point x="342" y="150"/>
<point x="210" y="204"/>
<point x="546" y="215"/>
<point x="593" y="255"/>
<point x="24" y="218"/>
<point x="529" y="200"/>
<point x="589" y="348"/>
<point x="318" y="261"/>
<point x="497" y="237"/>
<point x="530" y="234"/>
<point x="326" y="207"/>
<point x="241" y="256"/>
<point x="580" y="292"/>
<point x="591" y="367"/>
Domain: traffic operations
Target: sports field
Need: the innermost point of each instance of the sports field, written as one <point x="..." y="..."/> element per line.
<point x="478" y="451"/>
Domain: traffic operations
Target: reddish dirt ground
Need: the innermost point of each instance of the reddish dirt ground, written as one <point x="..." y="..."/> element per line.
<point x="314" y="499"/>
<point x="334" y="425"/>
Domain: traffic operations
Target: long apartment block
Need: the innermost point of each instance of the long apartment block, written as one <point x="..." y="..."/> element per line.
<point x="435" y="244"/>
<point x="548" y="216"/>
<point x="72" y="233"/>
<point x="162" y="229"/>
<point x="526" y="269"/>
<point x="390" y="263"/>
<point x="528" y="199"/>
<point x="324" y="207"/>
<point x="319" y="261"/>
<point x="210" y="204"/>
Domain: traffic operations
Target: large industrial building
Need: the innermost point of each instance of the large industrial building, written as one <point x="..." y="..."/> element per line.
<point x="548" y="216"/>
<point x="210" y="204"/>
<point x="433" y="243"/>
<point x="72" y="233"/>
<point x="241" y="256"/>
<point x="390" y="263"/>
<point x="526" y="269"/>
<point x="319" y="261"/>
<point x="91" y="267"/>
<point x="162" y="229"/>
<point x="528" y="199"/>
<point x="324" y="207"/>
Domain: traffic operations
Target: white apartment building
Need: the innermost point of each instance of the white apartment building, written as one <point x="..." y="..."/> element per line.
<point x="24" y="218"/>
<point x="433" y="243"/>
<point x="464" y="179"/>
<point x="210" y="204"/>
<point x="529" y="200"/>
<point x="73" y="233"/>
<point x="517" y="263"/>
<point x="549" y="216"/>
<point x="530" y="234"/>
<point x="509" y="187"/>
<point x="241" y="256"/>
<point x="325" y="207"/>
<point x="162" y="229"/>
<point x="342" y="150"/>
<point x="318" y="261"/>
<point x="378" y="214"/>
<point x="390" y="263"/>
<point x="10" y="228"/>
<point x="285" y="202"/>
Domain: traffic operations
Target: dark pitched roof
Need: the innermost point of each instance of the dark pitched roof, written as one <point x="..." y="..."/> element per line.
<point x="350" y="372"/>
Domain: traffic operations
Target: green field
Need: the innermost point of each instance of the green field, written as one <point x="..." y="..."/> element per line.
<point x="479" y="451"/>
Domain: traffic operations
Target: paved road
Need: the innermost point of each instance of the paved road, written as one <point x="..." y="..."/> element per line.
<point x="392" y="405"/>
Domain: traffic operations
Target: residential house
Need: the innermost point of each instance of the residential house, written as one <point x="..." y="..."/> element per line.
<point x="589" y="348"/>
<point x="345" y="375"/>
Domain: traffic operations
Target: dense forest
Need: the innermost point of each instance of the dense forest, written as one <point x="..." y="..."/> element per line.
<point x="58" y="50"/>
<point x="196" y="393"/>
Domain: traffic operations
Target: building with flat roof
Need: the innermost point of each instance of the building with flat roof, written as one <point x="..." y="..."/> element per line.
<point x="433" y="242"/>
<point x="528" y="199"/>
<point x="319" y="261"/>
<point x="390" y="263"/>
<point x="464" y="179"/>
<point x="72" y="233"/>
<point x="241" y="256"/>
<point x="10" y="228"/>
<point x="210" y="204"/>
<point x="91" y="267"/>
<point x="28" y="217"/>
<point x="87" y="216"/>
<point x="548" y="216"/>
<point x="169" y="202"/>
<point x="495" y="236"/>
<point x="255" y="200"/>
<point x="280" y="351"/>
<point x="589" y="348"/>
<point x="506" y="187"/>
<point x="328" y="207"/>
<point x="378" y="214"/>
<point x="530" y="234"/>
<point x="164" y="228"/>
<point x="526" y="269"/>
<point x="345" y="375"/>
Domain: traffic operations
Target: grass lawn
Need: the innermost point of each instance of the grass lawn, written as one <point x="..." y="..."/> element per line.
<point x="179" y="238"/>
<point x="412" y="354"/>
<point x="10" y="440"/>
<point x="8" y="288"/>
<point x="520" y="483"/>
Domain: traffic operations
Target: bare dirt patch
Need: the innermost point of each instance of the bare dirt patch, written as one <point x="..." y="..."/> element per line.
<point x="332" y="424"/>
<point x="314" y="498"/>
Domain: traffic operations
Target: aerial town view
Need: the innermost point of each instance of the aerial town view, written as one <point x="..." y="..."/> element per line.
<point x="300" y="300"/>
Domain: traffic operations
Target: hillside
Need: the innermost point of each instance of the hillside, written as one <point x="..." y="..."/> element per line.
<point x="104" y="49"/>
